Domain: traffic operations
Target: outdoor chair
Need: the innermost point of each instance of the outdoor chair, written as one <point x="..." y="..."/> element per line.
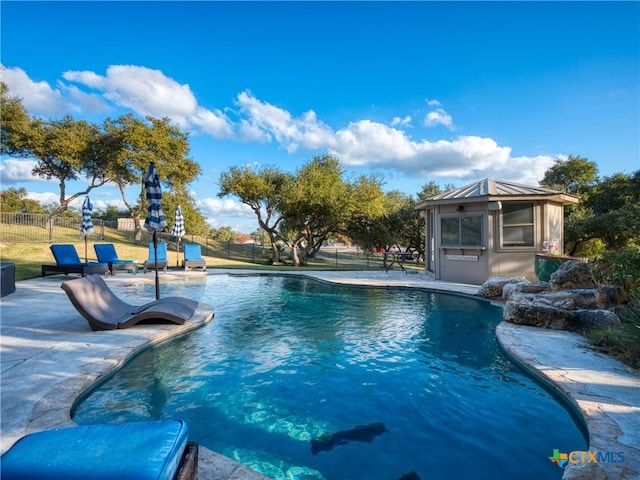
<point x="96" y="302"/>
<point x="106" y="252"/>
<point x="68" y="261"/>
<point x="193" y="257"/>
<point x="163" y="262"/>
<point x="126" y="451"/>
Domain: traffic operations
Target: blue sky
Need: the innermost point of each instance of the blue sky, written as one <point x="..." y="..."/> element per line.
<point x="412" y="92"/>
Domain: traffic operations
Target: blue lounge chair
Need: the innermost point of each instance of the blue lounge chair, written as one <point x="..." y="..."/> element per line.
<point x="68" y="261"/>
<point x="126" y="451"/>
<point x="106" y="252"/>
<point x="163" y="262"/>
<point x="193" y="257"/>
<point x="95" y="301"/>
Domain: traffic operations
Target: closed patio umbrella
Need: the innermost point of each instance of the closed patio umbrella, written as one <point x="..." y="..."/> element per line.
<point x="178" y="231"/>
<point x="86" y="227"/>
<point x="154" y="221"/>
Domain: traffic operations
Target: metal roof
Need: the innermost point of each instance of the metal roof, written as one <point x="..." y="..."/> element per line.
<point x="495" y="190"/>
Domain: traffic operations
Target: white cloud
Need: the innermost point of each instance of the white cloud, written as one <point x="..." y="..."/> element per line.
<point x="227" y="212"/>
<point x="406" y="121"/>
<point x="99" y="204"/>
<point x="362" y="143"/>
<point x="82" y="101"/>
<point x="438" y="117"/>
<point x="266" y="122"/>
<point x="151" y="92"/>
<point x="17" y="171"/>
<point x="36" y="96"/>
<point x="45" y="198"/>
<point x="212" y="207"/>
<point x="146" y="91"/>
<point x="213" y="123"/>
<point x="525" y="170"/>
<point x="367" y="143"/>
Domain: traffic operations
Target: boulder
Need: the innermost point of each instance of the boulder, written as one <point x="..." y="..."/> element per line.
<point x="588" y="319"/>
<point x="610" y="296"/>
<point x="509" y="290"/>
<point x="492" y="288"/>
<point x="572" y="275"/>
<point x="570" y="299"/>
<point x="539" y="314"/>
<point x="535" y="287"/>
<point x="522" y="289"/>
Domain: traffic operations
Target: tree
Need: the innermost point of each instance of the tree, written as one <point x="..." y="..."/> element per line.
<point x="120" y="152"/>
<point x="261" y="191"/>
<point x="305" y="209"/>
<point x="406" y="224"/>
<point x="111" y="214"/>
<point x="609" y="212"/>
<point x="313" y="205"/>
<point x="130" y="144"/>
<point x="223" y="234"/>
<point x="574" y="175"/>
<point x="258" y="236"/>
<point x="432" y="189"/>
<point x="64" y="151"/>
<point x="366" y="228"/>
<point x="400" y="225"/>
<point x="14" y="123"/>
<point x="319" y="203"/>
<point x="194" y="221"/>
<point x="15" y="200"/>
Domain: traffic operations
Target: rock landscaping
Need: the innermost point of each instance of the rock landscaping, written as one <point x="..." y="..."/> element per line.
<point x="571" y="300"/>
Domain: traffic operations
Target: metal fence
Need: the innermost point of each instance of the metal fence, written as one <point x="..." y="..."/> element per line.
<point x="40" y="228"/>
<point x="35" y="227"/>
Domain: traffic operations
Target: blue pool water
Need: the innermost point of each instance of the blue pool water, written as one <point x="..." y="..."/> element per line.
<point x="288" y="359"/>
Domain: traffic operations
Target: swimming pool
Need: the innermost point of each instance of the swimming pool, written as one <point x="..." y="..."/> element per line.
<point x="406" y="381"/>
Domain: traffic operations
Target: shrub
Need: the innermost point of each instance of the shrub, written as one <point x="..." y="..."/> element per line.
<point x="620" y="268"/>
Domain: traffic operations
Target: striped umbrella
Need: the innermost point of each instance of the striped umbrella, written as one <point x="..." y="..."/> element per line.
<point x="178" y="230"/>
<point x="86" y="227"/>
<point x="154" y="221"/>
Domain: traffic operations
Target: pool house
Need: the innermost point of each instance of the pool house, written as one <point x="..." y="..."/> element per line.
<point x="491" y="228"/>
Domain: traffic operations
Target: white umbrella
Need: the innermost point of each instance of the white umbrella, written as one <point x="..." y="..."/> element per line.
<point x="86" y="227"/>
<point x="154" y="221"/>
<point x="178" y="230"/>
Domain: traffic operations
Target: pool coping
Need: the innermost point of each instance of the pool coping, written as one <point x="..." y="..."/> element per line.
<point x="36" y="394"/>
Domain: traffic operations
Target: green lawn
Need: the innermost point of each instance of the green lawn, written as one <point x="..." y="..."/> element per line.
<point x="29" y="257"/>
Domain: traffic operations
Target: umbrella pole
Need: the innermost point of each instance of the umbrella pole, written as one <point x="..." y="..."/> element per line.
<point x="178" y="254"/>
<point x="155" y="256"/>
<point x="85" y="249"/>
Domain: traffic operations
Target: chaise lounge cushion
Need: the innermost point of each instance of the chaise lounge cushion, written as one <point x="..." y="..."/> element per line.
<point x="68" y="261"/>
<point x="106" y="252"/>
<point x="127" y="451"/>
<point x="163" y="261"/>
<point x="193" y="256"/>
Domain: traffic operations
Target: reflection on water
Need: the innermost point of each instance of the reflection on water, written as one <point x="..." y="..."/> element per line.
<point x="288" y="360"/>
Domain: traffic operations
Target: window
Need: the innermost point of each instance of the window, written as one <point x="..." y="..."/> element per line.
<point x="461" y="231"/>
<point x="517" y="225"/>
